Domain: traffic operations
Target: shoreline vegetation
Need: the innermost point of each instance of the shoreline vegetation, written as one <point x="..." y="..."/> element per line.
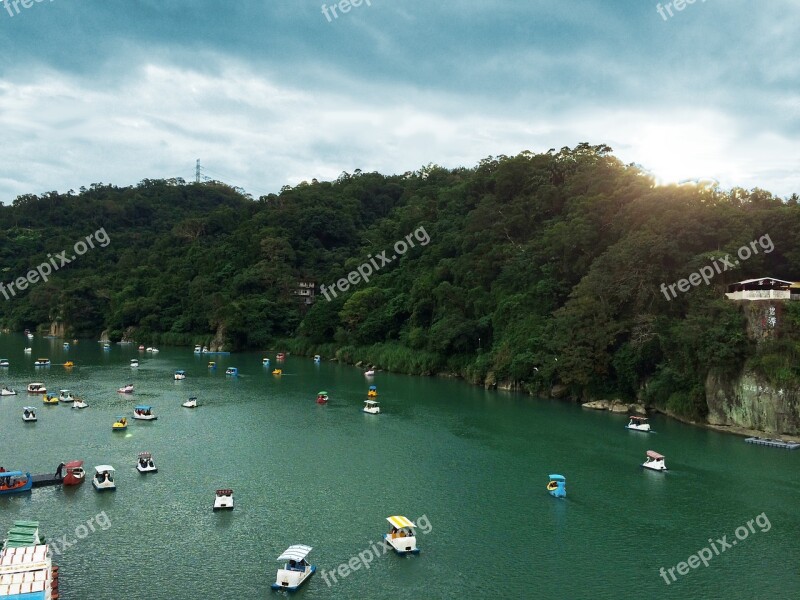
<point x="543" y="273"/>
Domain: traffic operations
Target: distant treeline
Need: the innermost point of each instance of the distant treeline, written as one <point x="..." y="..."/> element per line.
<point x="541" y="270"/>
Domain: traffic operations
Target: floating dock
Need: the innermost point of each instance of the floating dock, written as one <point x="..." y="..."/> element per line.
<point x="790" y="445"/>
<point x="46" y="479"/>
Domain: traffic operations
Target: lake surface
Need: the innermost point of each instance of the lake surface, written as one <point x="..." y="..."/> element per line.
<point x="473" y="463"/>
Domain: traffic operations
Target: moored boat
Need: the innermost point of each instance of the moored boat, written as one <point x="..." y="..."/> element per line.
<point x="66" y="396"/>
<point x="180" y="375"/>
<point x="371" y="407"/>
<point x="7" y="391"/>
<point x="655" y="461"/>
<point x="145" y="463"/>
<point x="74" y="473"/>
<point x="190" y="403"/>
<point x="401" y="537"/>
<point x="103" y="479"/>
<point x="41" y="362"/>
<point x="126" y="389"/>
<point x="15" y="482"/>
<point x="322" y="397"/>
<point x="78" y="403"/>
<point x="144" y="412"/>
<point x="26" y="568"/>
<point x="557" y="486"/>
<point x="223" y="500"/>
<point x="37" y="388"/>
<point x="29" y="414"/>
<point x="121" y="424"/>
<point x="296" y="569"/>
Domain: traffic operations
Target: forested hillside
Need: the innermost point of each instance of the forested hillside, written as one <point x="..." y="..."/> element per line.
<point x="541" y="270"/>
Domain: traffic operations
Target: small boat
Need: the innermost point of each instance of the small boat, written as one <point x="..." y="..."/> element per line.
<point x="29" y="414"/>
<point x="197" y="350"/>
<point x="639" y="424"/>
<point x="149" y="349"/>
<point x="372" y="392"/>
<point x="371" y="407"/>
<point x="4" y="362"/>
<point x="154" y="350"/>
<point x="265" y="362"/>
<point x="103" y="479"/>
<point x="180" y="375"/>
<point x="127" y="389"/>
<point x="78" y="403"/>
<point x="369" y="373"/>
<point x="145" y="463"/>
<point x="557" y="486"/>
<point x="317" y="358"/>
<point x="190" y="403"/>
<point x="401" y="537"/>
<point x="69" y="364"/>
<point x="75" y="475"/>
<point x="7" y="391"/>
<point x="205" y="350"/>
<point x="280" y="356"/>
<point x="28" y="350"/>
<point x="121" y="424"/>
<point x="50" y="399"/>
<point x="29" y="336"/>
<point x="655" y="461"/>
<point x="66" y="396"/>
<point x="295" y="570"/>
<point x="15" y="482"/>
<point x="41" y="362"/>
<point x="144" y="413"/>
<point x="212" y="365"/>
<point x="66" y="345"/>
<point x="277" y="372"/>
<point x="134" y="363"/>
<point x="223" y="500"/>
<point x="322" y="397"/>
<point x="232" y="371"/>
<point x="106" y="346"/>
<point x="37" y="388"/>
<point x="141" y="348"/>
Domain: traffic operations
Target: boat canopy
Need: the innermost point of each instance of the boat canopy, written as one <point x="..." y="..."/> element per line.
<point x="225" y="492"/>
<point x="180" y="372"/>
<point x="142" y="407"/>
<point x="192" y="397"/>
<point x="370" y="402"/>
<point x="635" y="418"/>
<point x="322" y="393"/>
<point x="65" y="391"/>
<point x="145" y="455"/>
<point x="400" y="522"/>
<point x="37" y="384"/>
<point x="297" y="553"/>
<point x="373" y="388"/>
<point x="102" y="468"/>
<point x="30" y="408"/>
<point x="557" y="478"/>
<point x="12" y="474"/>
<point x="655" y="455"/>
<point x="73" y="464"/>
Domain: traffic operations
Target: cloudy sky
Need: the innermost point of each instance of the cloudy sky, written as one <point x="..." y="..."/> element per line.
<point x="273" y="92"/>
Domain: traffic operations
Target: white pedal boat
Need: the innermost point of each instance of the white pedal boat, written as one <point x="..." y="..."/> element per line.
<point x="296" y="570"/>
<point x="371" y="407"/>
<point x="103" y="479"/>
<point x="638" y="424"/>
<point x="190" y="403"/>
<point x="29" y="414"/>
<point x="223" y="500"/>
<point x="655" y="461"/>
<point x="145" y="463"/>
<point x="401" y="537"/>
<point x="143" y="412"/>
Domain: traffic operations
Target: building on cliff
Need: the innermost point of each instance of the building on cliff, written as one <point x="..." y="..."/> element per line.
<point x="764" y="288"/>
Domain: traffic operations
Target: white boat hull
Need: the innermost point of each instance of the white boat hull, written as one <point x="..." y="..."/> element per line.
<point x="290" y="580"/>
<point x="189" y="404"/>
<point x="8" y="393"/>
<point x="29" y="419"/>
<point x="402" y="545"/>
<point x="655" y="465"/>
<point x="179" y="377"/>
<point x="145" y="417"/>
<point x="373" y="411"/>
<point x="79" y="405"/>
<point x="147" y="469"/>
<point x="644" y="428"/>
<point x="104" y="486"/>
<point x="223" y="503"/>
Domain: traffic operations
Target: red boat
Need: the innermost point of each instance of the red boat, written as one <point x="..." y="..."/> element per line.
<point x="280" y="356"/>
<point x="74" y="473"/>
<point x="322" y="398"/>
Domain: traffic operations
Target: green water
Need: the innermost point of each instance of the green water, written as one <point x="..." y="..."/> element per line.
<point x="474" y="463"/>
